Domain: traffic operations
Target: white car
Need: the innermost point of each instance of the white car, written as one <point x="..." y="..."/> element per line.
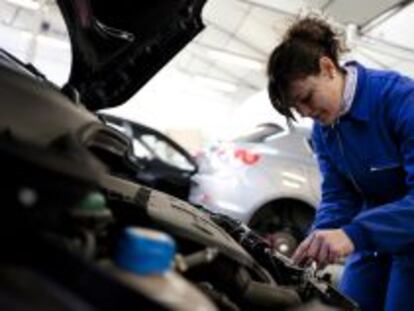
<point x="268" y="178"/>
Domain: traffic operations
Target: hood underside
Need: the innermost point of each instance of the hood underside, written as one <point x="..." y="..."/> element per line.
<point x="118" y="46"/>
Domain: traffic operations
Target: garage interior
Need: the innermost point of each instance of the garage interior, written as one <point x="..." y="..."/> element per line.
<point x="225" y="63"/>
<point x="199" y="147"/>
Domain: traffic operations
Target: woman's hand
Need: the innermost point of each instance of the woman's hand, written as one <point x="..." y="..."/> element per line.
<point x="324" y="247"/>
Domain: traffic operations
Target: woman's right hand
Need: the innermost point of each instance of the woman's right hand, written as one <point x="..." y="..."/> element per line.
<point x="324" y="247"/>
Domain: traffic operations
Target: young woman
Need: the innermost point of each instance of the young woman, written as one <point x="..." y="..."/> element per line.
<point x="364" y="140"/>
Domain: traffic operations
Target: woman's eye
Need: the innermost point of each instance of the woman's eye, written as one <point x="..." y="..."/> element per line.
<point x="307" y="98"/>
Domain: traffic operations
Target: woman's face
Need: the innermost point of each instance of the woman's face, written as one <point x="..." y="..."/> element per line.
<point x="319" y="96"/>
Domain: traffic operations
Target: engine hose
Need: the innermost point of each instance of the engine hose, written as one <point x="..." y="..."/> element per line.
<point x="271" y="297"/>
<point x="89" y="248"/>
<point x="264" y="295"/>
<point x="219" y="298"/>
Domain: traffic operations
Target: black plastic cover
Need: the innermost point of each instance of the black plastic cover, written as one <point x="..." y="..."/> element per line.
<point x="118" y="46"/>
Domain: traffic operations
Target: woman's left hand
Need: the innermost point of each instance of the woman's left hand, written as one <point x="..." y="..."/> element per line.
<point x="324" y="247"/>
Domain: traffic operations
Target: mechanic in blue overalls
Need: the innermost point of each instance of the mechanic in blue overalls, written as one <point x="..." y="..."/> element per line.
<point x="363" y="136"/>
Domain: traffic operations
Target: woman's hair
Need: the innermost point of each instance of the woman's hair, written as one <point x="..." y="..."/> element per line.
<point x="305" y="42"/>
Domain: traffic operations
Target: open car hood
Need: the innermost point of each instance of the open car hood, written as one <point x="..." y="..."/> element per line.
<point x="117" y="46"/>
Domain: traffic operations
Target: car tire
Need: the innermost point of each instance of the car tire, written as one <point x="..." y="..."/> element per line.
<point x="284" y="224"/>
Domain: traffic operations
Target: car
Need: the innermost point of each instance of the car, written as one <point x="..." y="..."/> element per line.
<point x="69" y="197"/>
<point x="78" y="232"/>
<point x="163" y="163"/>
<point x="267" y="178"/>
<point x="167" y="166"/>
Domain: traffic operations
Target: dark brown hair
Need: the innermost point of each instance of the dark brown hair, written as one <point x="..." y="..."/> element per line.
<point x="305" y="42"/>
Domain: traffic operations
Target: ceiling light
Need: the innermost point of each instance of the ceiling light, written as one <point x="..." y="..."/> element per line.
<point x="286" y="7"/>
<point x="28" y="4"/>
<point x="47" y="40"/>
<point x="290" y="184"/>
<point x="54" y="42"/>
<point x="235" y="59"/>
<point x="216" y="84"/>
<point x="294" y="177"/>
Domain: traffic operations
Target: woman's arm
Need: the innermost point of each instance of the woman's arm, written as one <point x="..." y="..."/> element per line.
<point x="390" y="227"/>
<point x="339" y="202"/>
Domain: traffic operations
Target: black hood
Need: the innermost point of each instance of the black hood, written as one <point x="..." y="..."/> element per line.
<point x="117" y="46"/>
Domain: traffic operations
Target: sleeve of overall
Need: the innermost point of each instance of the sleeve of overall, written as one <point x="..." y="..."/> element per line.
<point x="390" y="227"/>
<point x="339" y="202"/>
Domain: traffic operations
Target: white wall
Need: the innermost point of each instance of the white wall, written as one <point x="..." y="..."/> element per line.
<point x="254" y="111"/>
<point x="52" y="56"/>
<point x="173" y="100"/>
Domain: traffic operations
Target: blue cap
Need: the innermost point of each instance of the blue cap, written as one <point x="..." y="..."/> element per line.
<point x="145" y="251"/>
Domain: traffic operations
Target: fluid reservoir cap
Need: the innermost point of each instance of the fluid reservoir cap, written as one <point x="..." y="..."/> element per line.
<point x="94" y="201"/>
<point x="145" y="251"/>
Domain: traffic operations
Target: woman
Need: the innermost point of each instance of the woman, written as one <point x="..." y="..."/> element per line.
<point x="364" y="140"/>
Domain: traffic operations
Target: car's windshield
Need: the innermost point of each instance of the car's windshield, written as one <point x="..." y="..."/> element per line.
<point x="151" y="146"/>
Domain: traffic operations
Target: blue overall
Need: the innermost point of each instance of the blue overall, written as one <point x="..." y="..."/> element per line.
<point x="367" y="163"/>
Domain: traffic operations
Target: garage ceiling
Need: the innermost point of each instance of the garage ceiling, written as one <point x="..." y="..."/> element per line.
<point x="355" y="11"/>
<point x="240" y="35"/>
<point x="232" y="51"/>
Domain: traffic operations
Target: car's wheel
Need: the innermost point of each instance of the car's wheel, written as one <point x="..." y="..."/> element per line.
<point x="283" y="224"/>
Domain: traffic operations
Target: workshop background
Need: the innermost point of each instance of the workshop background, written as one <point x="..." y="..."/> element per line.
<point x="238" y="157"/>
<point x="214" y="88"/>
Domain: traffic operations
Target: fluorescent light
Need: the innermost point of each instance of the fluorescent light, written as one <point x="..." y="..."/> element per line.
<point x="28" y="4"/>
<point x="290" y="184"/>
<point x="42" y="39"/>
<point x="216" y="84"/>
<point x="235" y="59"/>
<point x="54" y="42"/>
<point x="294" y="177"/>
<point x="287" y="7"/>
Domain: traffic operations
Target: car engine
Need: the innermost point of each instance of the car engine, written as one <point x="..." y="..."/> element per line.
<point x="70" y="199"/>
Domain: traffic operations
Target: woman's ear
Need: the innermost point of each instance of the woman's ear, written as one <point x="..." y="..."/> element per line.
<point x="327" y="67"/>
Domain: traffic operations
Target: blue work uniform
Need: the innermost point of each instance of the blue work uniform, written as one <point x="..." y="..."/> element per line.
<point x="366" y="159"/>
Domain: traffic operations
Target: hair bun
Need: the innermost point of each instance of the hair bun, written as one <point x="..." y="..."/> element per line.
<point x="314" y="30"/>
<point x="298" y="56"/>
